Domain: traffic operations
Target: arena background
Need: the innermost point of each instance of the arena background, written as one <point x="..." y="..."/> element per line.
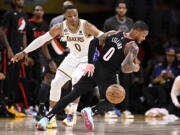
<point x="96" y="11"/>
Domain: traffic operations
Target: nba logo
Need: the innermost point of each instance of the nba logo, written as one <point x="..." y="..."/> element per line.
<point x="80" y="32"/>
<point x="65" y="31"/>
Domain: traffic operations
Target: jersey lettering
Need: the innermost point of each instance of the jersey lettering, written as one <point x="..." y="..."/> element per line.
<point x="117" y="42"/>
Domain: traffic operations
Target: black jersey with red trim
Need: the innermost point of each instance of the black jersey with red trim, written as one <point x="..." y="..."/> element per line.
<point x="16" y="23"/>
<point x="36" y="29"/>
<point x="112" y="53"/>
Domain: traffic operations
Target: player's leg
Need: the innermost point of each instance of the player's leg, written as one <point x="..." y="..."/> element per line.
<point x="72" y="107"/>
<point x="63" y="74"/>
<point x="55" y="92"/>
<point x="83" y="86"/>
<point x="103" y="78"/>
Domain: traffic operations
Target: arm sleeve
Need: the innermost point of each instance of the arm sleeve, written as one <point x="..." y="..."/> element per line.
<point x="92" y="48"/>
<point x="38" y="42"/>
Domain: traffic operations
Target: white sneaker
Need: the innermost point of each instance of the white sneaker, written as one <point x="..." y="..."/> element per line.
<point x="52" y="124"/>
<point x="127" y="115"/>
<point x="70" y="121"/>
<point x="111" y="114"/>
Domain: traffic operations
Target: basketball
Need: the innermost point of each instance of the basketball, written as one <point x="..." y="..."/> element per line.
<point x="115" y="93"/>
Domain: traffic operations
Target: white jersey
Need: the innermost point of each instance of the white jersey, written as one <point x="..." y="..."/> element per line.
<point x="77" y="42"/>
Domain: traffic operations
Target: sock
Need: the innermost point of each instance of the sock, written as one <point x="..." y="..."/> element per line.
<point x="73" y="108"/>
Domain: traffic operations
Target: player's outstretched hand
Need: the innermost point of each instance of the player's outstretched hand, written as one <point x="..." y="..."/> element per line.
<point x="89" y="71"/>
<point x="177" y="105"/>
<point x="19" y="56"/>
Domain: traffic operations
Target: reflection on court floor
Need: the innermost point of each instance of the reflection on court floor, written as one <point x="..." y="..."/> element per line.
<point x="103" y="126"/>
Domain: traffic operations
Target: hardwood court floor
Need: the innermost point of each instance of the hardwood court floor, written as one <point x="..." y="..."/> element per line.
<point x="139" y="126"/>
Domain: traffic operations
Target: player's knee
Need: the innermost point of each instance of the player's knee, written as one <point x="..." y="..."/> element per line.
<point x="54" y="97"/>
<point x="55" y="94"/>
<point x="56" y="83"/>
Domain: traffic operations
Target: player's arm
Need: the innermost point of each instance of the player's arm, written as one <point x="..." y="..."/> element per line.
<point x="91" y="30"/>
<point x="46" y="54"/>
<point x="4" y="41"/>
<point x="5" y="24"/>
<point x="40" y="41"/>
<point x="128" y="65"/>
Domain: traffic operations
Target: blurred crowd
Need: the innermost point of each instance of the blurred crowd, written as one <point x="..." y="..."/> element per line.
<point x="153" y="87"/>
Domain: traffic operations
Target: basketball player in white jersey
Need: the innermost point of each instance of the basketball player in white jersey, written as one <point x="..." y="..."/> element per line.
<point x="78" y="33"/>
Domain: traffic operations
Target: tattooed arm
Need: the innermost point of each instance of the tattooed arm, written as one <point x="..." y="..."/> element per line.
<point x="128" y="65"/>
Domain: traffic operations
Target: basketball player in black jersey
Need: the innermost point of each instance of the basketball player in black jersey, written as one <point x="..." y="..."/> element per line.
<point x="119" y="53"/>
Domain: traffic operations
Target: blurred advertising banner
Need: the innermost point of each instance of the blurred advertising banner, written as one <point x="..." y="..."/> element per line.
<point x="55" y="6"/>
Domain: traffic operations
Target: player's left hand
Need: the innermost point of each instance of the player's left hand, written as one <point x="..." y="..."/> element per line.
<point x="89" y="70"/>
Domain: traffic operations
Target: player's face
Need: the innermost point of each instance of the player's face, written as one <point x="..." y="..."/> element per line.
<point x="71" y="16"/>
<point x="38" y="12"/>
<point x="19" y="3"/>
<point x="141" y="35"/>
<point x="121" y="9"/>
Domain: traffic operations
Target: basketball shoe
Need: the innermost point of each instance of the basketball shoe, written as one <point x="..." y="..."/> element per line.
<point x="15" y="112"/>
<point x="88" y="119"/>
<point x="52" y="123"/>
<point x="42" y="124"/>
<point x="70" y="121"/>
<point x="127" y="115"/>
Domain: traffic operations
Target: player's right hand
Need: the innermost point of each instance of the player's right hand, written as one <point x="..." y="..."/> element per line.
<point x="89" y="71"/>
<point x="19" y="56"/>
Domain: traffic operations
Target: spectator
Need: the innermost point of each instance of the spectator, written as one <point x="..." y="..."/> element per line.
<point x="158" y="91"/>
<point x="13" y="37"/>
<point x="120" y="21"/>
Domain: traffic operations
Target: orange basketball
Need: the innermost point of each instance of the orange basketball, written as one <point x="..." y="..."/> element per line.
<point x="115" y="93"/>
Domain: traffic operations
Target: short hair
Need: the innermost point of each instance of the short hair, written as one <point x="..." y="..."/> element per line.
<point x="39" y="6"/>
<point x="121" y="1"/>
<point x="140" y="25"/>
<point x="68" y="7"/>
